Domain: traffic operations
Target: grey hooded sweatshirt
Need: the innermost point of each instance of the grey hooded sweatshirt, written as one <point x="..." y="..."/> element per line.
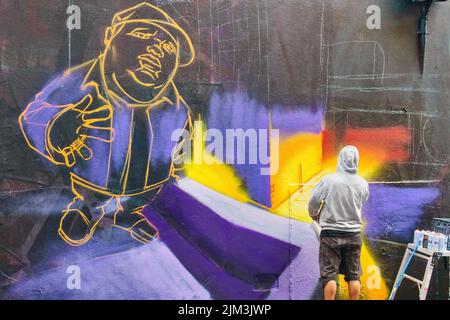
<point x="343" y="194"/>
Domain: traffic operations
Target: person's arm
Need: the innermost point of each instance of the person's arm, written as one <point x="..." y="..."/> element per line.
<point x="366" y="193"/>
<point x="317" y="200"/>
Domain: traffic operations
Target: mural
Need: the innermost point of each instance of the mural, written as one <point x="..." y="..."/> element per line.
<point x="174" y="144"/>
<point x="96" y="119"/>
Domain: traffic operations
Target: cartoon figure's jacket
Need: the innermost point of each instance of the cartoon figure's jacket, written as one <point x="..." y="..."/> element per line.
<point x="136" y="156"/>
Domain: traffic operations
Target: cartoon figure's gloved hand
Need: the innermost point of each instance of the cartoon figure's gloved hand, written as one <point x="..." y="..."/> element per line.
<point x="70" y="131"/>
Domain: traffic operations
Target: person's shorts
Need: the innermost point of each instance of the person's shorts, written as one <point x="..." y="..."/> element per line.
<point x="340" y="255"/>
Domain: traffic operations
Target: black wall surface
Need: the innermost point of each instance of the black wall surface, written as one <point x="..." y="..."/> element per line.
<point x="283" y="53"/>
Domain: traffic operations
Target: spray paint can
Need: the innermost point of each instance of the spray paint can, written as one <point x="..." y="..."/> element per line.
<point x="425" y="239"/>
<point x="430" y="241"/>
<point x="434" y="240"/>
<point x="442" y="244"/>
<point x="422" y="234"/>
<point x="418" y="238"/>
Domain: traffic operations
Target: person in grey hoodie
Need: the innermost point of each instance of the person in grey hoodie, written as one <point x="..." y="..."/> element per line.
<point x="336" y="204"/>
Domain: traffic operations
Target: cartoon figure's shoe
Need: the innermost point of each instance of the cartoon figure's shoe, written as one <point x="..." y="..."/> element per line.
<point x="76" y="226"/>
<point x="137" y="225"/>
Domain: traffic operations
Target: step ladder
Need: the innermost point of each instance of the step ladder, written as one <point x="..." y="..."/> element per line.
<point x="432" y="257"/>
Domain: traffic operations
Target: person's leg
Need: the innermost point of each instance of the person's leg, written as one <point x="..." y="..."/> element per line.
<point x="351" y="257"/>
<point x="354" y="288"/>
<point x="329" y="291"/>
<point x="329" y="261"/>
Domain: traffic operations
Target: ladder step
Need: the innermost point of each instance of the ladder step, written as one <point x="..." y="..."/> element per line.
<point x="413" y="279"/>
<point x="424" y="257"/>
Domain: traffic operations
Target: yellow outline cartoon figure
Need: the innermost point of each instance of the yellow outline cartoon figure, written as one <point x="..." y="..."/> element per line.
<point x="110" y="120"/>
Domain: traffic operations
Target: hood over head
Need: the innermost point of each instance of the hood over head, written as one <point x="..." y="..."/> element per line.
<point x="348" y="160"/>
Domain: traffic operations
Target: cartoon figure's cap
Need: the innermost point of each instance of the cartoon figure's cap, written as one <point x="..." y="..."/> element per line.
<point x="146" y="12"/>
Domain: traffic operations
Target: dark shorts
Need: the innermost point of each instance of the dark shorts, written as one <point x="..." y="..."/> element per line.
<point x="340" y="255"/>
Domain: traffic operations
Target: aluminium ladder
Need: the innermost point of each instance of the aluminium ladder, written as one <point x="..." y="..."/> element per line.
<point x="432" y="257"/>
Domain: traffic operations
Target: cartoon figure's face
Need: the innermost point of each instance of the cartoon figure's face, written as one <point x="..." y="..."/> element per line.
<point x="140" y="57"/>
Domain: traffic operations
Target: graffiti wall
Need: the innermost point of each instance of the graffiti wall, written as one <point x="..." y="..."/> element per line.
<point x="174" y="144"/>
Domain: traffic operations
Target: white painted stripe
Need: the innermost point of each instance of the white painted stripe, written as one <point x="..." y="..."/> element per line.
<point x="249" y="216"/>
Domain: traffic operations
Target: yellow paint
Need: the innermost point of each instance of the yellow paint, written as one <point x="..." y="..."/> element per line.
<point x="369" y="166"/>
<point x="367" y="293"/>
<point x="296" y="206"/>
<point x="209" y="171"/>
<point x="300" y="160"/>
<point x="302" y="148"/>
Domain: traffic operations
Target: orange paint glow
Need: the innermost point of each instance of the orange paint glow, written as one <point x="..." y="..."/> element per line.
<point x="300" y="159"/>
<point x="377" y="147"/>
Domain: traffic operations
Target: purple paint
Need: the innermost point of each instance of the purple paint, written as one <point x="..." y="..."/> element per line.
<point x="223" y="256"/>
<point x="220" y="284"/>
<point x="294" y="120"/>
<point x="143" y="272"/>
<point x="394" y="212"/>
<point x="238" y="111"/>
